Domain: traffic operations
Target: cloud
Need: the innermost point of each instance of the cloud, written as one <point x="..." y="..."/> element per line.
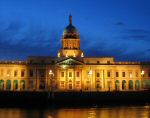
<point x="135" y="35"/>
<point x="18" y="41"/>
<point x="99" y="47"/>
<point x="136" y="31"/>
<point x="120" y="24"/>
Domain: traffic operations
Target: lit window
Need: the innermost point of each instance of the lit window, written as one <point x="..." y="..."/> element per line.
<point x="130" y="74"/>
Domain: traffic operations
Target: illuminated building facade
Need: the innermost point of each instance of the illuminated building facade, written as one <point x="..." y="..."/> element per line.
<point x="72" y="71"/>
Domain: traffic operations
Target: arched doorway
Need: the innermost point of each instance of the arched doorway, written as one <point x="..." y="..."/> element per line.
<point x="22" y="85"/>
<point x="137" y="85"/>
<point x="117" y="85"/>
<point x="1" y="84"/>
<point x="143" y="84"/>
<point x="123" y="85"/>
<point x="15" y="84"/>
<point x="8" y="85"/>
<point x="130" y="85"/>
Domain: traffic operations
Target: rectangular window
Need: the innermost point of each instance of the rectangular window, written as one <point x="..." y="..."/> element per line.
<point x="31" y="73"/>
<point x="117" y="74"/>
<point x="62" y="74"/>
<point x="77" y="83"/>
<point x="78" y="74"/>
<point x="22" y="73"/>
<point x="70" y="74"/>
<point x="108" y="74"/>
<point x="97" y="62"/>
<point x="15" y="73"/>
<point x="97" y="74"/>
<point x="123" y="74"/>
<point x="62" y="84"/>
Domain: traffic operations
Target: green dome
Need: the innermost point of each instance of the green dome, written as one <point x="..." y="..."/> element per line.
<point x="70" y="31"/>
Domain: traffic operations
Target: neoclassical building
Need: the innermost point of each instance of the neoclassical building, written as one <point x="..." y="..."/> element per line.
<point x="72" y="71"/>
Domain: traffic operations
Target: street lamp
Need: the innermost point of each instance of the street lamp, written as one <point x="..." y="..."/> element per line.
<point x="142" y="75"/>
<point x="51" y="74"/>
<point x="51" y="78"/>
<point x="90" y="74"/>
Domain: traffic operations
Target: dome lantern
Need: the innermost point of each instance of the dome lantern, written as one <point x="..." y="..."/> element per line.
<point x="70" y="31"/>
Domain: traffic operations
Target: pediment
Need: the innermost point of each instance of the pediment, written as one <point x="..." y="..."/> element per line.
<point x="70" y="61"/>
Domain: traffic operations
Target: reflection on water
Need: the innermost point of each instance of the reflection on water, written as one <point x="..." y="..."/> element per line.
<point x="93" y="112"/>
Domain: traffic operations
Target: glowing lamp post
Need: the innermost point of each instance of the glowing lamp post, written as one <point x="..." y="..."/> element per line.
<point x="51" y="74"/>
<point x="90" y="74"/>
<point x="142" y="75"/>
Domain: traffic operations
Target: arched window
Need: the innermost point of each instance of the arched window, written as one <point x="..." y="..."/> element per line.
<point x="22" y="84"/>
<point x="8" y="85"/>
<point x="130" y="84"/>
<point x="123" y="85"/>
<point x="15" y="84"/>
<point x="1" y="84"/>
<point x="117" y="85"/>
<point x="137" y="84"/>
<point x="143" y="84"/>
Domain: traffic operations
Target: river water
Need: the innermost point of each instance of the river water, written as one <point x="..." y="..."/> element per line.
<point x="132" y="111"/>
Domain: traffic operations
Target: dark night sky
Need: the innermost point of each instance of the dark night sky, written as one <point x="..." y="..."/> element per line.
<point x="119" y="28"/>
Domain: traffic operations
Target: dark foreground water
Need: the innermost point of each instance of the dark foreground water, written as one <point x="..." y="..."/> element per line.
<point x="132" y="111"/>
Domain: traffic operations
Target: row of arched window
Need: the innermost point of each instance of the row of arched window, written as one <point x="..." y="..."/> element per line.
<point x="144" y="84"/>
<point x="12" y="85"/>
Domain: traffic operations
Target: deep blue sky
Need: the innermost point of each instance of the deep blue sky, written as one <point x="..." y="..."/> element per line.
<point x="119" y="28"/>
